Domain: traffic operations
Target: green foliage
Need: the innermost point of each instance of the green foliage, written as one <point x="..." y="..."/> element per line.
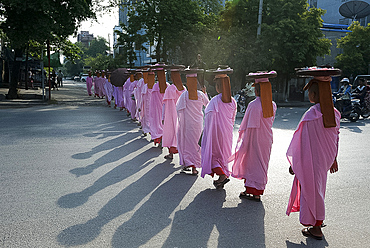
<point x="100" y="62"/>
<point x="41" y="20"/>
<point x="355" y="58"/>
<point x="290" y="37"/>
<point x="97" y="46"/>
<point x="175" y="26"/>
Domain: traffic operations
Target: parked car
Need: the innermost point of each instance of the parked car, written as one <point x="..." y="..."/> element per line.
<point x="83" y="77"/>
<point x="76" y="78"/>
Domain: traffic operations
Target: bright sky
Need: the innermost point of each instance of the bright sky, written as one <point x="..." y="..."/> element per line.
<point x="103" y="27"/>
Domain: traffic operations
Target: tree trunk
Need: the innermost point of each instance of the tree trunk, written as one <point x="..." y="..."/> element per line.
<point x="158" y="49"/>
<point x="13" y="91"/>
<point x="26" y="69"/>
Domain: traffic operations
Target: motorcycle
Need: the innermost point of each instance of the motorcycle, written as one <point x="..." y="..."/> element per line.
<point x="243" y="97"/>
<point x="364" y="110"/>
<point x="349" y="108"/>
<point x="240" y="101"/>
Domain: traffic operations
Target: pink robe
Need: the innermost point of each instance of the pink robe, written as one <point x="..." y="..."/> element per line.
<point x="253" y="149"/>
<point x="118" y="96"/>
<point x="96" y="85"/>
<point x="155" y="112"/>
<point x="132" y="103"/>
<point x="170" y="126"/>
<point x="108" y="90"/>
<point x="217" y="137"/>
<point x="138" y="98"/>
<point x="146" y="94"/>
<point x="101" y="82"/>
<point x="190" y="116"/>
<point x="126" y="94"/>
<point x="311" y="153"/>
<point x="89" y="84"/>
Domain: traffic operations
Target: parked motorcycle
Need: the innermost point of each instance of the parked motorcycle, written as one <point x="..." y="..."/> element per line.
<point x="243" y="97"/>
<point x="349" y="108"/>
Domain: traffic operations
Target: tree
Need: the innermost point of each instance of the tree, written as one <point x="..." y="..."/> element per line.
<point x="355" y="58"/>
<point x="291" y="36"/>
<point x="40" y="21"/>
<point x="97" y="46"/>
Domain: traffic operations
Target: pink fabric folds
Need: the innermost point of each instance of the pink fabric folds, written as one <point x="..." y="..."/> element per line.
<point x="311" y="153"/>
<point x="108" y="90"/>
<point x="100" y="82"/>
<point x="126" y="94"/>
<point x="253" y="149"/>
<point x="155" y="112"/>
<point x="89" y="84"/>
<point x="118" y="96"/>
<point x="138" y="98"/>
<point x="146" y="94"/>
<point x="170" y="126"/>
<point x="132" y="103"/>
<point x="96" y="86"/>
<point x="190" y="116"/>
<point x="217" y="137"/>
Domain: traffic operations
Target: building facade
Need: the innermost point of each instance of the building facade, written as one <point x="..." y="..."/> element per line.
<point x="85" y="38"/>
<point x="143" y="57"/>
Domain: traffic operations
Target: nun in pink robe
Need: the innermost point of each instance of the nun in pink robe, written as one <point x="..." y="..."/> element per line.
<point x="146" y="94"/>
<point x="190" y="116"/>
<point x="155" y="114"/>
<point x="170" y="122"/>
<point x="253" y="149"/>
<point x="217" y="137"/>
<point x="311" y="154"/>
<point x="138" y="98"/>
<point x="108" y="90"/>
<point x="96" y="84"/>
<point x="89" y="84"/>
<point x="126" y="95"/>
<point x="132" y="102"/>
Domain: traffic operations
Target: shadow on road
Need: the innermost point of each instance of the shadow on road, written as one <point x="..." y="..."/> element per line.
<point x="154" y="216"/>
<point x="242" y="226"/>
<point x="310" y="243"/>
<point x="123" y="145"/>
<point x="124" y="202"/>
<point x="114" y="176"/>
<point x="354" y="126"/>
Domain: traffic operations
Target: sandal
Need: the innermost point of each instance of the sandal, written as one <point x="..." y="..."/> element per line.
<point x="250" y="196"/>
<point x="168" y="156"/>
<point x="306" y="232"/>
<point x="220" y="185"/>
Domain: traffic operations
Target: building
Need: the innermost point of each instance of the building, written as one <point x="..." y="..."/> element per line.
<point x="335" y="25"/>
<point x="143" y="57"/>
<point x="85" y="38"/>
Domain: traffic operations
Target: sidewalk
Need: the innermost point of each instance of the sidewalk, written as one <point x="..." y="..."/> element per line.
<point x="26" y="98"/>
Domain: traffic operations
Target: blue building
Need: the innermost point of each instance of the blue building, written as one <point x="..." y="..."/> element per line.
<point x="335" y="25"/>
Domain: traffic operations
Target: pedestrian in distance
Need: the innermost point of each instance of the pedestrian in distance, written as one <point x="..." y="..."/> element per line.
<point x="217" y="138"/>
<point x="312" y="153"/>
<point x="60" y="78"/>
<point x="253" y="149"/>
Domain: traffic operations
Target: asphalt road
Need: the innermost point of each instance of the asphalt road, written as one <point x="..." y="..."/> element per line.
<point x="77" y="173"/>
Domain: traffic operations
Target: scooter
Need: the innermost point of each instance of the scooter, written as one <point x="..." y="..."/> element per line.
<point x="349" y="108"/>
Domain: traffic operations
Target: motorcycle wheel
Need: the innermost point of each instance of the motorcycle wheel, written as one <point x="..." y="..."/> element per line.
<point x="354" y="116"/>
<point x="365" y="113"/>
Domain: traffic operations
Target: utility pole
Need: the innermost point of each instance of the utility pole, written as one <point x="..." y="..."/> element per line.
<point x="259" y="18"/>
